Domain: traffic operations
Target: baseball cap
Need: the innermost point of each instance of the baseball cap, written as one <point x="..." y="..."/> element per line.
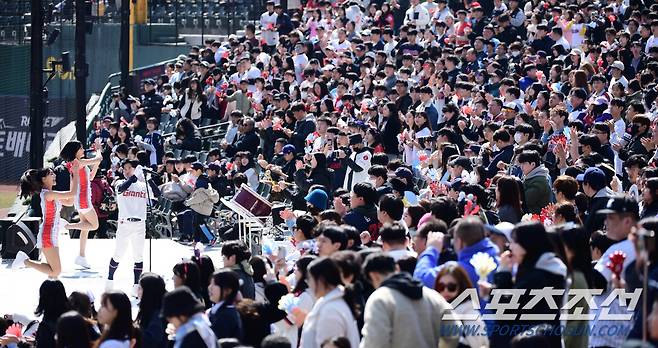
<point x="594" y="177"/>
<point x="461" y="161"/>
<point x="149" y="82"/>
<point x="198" y="166"/>
<point x="108" y="118"/>
<point x="512" y="106"/>
<point x="404" y="173"/>
<point x="620" y="205"/>
<point x="214" y="166"/>
<point x="617" y="65"/>
<point x="503" y="229"/>
<point x="356" y="139"/>
<point x="288" y="149"/>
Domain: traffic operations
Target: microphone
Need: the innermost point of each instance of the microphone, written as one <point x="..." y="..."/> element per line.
<point x="150" y="171"/>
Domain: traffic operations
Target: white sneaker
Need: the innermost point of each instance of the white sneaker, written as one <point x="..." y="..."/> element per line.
<point x="134" y="291"/>
<point x="19" y="262"/>
<point x="82" y="262"/>
<point x="109" y="285"/>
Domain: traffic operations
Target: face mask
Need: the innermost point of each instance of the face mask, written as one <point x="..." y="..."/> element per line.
<point x="494" y="147"/>
<point x="304" y="95"/>
<point x="517" y="137"/>
<point x="373" y="182"/>
<point x="516" y="53"/>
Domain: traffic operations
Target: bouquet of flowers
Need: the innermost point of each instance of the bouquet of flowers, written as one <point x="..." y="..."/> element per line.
<point x="530" y="217"/>
<point x="483" y="264"/>
<point x="15" y="329"/>
<point x="289" y="303"/>
<point x="546" y="215"/>
<point x="616" y="263"/>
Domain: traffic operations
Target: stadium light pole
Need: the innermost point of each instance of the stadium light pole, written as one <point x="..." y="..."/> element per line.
<point x="36" y="86"/>
<point x="124" y="43"/>
<point x="81" y="69"/>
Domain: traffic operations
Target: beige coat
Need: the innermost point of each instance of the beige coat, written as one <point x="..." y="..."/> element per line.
<point x="202" y="200"/>
<point x="394" y="320"/>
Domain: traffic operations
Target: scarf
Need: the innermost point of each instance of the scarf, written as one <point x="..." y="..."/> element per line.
<point x="198" y="322"/>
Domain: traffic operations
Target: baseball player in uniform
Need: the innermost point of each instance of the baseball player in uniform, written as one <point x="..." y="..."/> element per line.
<point x="131" y="225"/>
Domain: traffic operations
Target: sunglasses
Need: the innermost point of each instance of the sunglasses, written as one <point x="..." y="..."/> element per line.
<point x="451" y="287"/>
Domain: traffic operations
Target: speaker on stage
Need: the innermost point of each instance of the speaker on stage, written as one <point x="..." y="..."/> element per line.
<point x="19" y="236"/>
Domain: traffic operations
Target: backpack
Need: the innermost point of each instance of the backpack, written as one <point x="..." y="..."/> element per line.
<point x="109" y="203"/>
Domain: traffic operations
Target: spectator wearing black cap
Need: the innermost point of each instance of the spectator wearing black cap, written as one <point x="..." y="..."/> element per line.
<point x="358" y="162"/>
<point x="594" y="185"/>
<point x="151" y="102"/>
<point x="304" y="126"/>
<point x="184" y="311"/>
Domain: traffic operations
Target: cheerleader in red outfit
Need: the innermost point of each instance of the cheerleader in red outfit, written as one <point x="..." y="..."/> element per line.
<point x="73" y="151"/>
<point x="42" y="181"/>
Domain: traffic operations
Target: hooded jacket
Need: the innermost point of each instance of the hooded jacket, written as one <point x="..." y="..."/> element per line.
<point x="245" y="272"/>
<point x="404" y="313"/>
<point x="428" y="266"/>
<point x="537" y="189"/>
<point x="549" y="271"/>
<point x="364" y="218"/>
<point x="594" y="221"/>
<point x="330" y="317"/>
<point x="202" y="200"/>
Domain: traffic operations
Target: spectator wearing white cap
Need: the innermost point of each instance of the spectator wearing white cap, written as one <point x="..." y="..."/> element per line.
<point x="617" y="72"/>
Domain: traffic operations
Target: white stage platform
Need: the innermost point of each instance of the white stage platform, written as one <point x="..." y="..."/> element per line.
<point x="19" y="289"/>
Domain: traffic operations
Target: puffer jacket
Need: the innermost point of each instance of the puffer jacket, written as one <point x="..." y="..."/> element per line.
<point x="202" y="200"/>
<point x="537" y="190"/>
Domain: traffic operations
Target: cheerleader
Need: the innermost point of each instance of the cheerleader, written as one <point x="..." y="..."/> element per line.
<point x="42" y="181"/>
<point x="73" y="151"/>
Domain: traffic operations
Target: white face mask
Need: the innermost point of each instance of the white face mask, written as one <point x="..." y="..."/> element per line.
<point x="373" y="182"/>
<point x="516" y="53"/>
<point x="517" y="137"/>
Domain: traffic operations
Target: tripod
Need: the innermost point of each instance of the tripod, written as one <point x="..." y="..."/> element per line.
<point x="149" y="215"/>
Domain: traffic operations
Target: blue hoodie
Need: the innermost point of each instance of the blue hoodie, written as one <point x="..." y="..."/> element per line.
<point x="427" y="268"/>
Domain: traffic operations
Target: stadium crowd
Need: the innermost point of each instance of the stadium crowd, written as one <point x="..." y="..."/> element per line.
<point x="425" y="150"/>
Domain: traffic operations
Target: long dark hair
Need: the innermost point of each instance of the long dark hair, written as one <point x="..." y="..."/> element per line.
<point x="121" y="328"/>
<point x="197" y="92"/>
<point x="81" y="303"/>
<point x="509" y="193"/>
<point x="32" y="181"/>
<point x="576" y="239"/>
<point x="321" y="159"/>
<point x="52" y="300"/>
<point x="153" y="290"/>
<point x="259" y="265"/>
<point x="302" y="267"/>
<point x="189" y="272"/>
<point x="326" y="270"/>
<point x="73" y="331"/>
<point x="185" y="128"/>
<point x="126" y="130"/>
<point x="227" y="279"/>
<point x="533" y="238"/>
<point x="69" y="150"/>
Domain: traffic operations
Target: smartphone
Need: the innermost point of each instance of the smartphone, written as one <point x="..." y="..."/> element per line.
<point x="281" y="253"/>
